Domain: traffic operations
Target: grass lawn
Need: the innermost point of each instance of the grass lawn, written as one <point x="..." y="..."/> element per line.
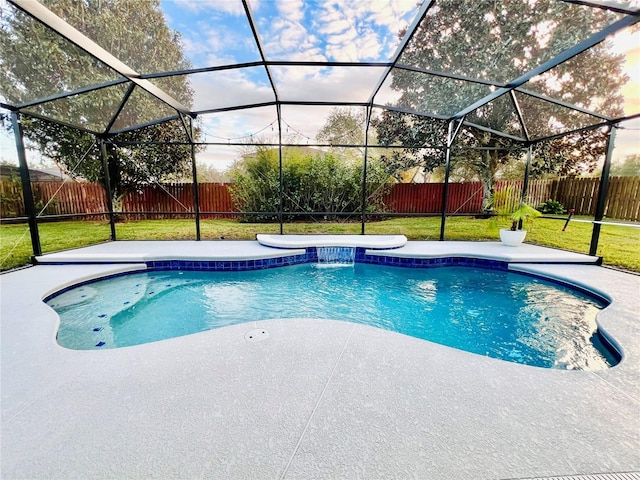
<point x="618" y="245"/>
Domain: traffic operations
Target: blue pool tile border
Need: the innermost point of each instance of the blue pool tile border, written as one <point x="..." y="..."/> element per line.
<point x="311" y="256"/>
<point x="229" y="265"/>
<point x="410" y="262"/>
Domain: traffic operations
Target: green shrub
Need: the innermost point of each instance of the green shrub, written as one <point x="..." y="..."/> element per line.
<point x="312" y="183"/>
<point x="12" y="204"/>
<point x="256" y="185"/>
<point x="552" y="207"/>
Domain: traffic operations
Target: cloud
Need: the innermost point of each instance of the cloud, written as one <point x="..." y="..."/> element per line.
<point x="236" y="126"/>
<point x="230" y="88"/>
<point x="292" y="10"/>
<point x="340" y="25"/>
<point x="337" y="84"/>
<point x="287" y="39"/>
<point x="250" y="85"/>
<point x="213" y="30"/>
<point x="392" y="14"/>
<point x="292" y="35"/>
<point x="340" y="30"/>
<point x="354" y="46"/>
<point x="369" y="30"/>
<point x="207" y="49"/>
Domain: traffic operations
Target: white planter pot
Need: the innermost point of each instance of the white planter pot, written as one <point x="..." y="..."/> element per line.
<point x="512" y="238"/>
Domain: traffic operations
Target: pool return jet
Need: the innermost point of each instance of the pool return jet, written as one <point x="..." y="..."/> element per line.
<point x="336" y="256"/>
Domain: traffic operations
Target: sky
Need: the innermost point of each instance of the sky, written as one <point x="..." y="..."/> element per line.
<point x="628" y="138"/>
<point x="216" y="32"/>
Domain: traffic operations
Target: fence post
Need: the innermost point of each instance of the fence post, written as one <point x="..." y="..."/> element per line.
<point x="602" y="192"/>
<point x="25" y="178"/>
<point x="107" y="187"/>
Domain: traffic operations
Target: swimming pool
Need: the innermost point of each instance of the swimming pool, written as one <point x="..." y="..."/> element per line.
<point x="500" y="314"/>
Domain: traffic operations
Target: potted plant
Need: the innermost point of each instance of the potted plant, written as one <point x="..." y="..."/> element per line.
<point x="505" y="203"/>
<point x="514" y="235"/>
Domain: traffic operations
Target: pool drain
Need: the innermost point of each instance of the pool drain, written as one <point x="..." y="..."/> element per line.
<point x="256" y="335"/>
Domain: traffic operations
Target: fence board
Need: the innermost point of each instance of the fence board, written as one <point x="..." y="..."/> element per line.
<point x="616" y="191"/>
<point x="634" y="211"/>
<point x="427" y="198"/>
<point x="215" y="197"/>
<point x="623" y="199"/>
<point x="625" y="203"/>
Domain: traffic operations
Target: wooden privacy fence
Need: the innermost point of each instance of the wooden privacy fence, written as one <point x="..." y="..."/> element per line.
<point x="427" y="198"/>
<point x="577" y="193"/>
<point x="623" y="198"/>
<point x="53" y="198"/>
<point x="176" y="200"/>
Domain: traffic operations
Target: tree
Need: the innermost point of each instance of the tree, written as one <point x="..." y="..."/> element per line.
<point x="313" y="182"/>
<point x="629" y="167"/>
<point x="498" y="42"/>
<point x="210" y="174"/>
<point x="345" y="126"/>
<point x="36" y="63"/>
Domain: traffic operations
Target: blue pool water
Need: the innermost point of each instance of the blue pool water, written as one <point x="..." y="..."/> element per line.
<point x="504" y="315"/>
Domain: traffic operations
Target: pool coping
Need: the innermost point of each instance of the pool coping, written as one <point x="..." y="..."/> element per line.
<point x="367" y="402"/>
<point x="191" y="250"/>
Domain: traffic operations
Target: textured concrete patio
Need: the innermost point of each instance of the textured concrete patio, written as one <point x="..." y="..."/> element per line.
<point x="316" y="399"/>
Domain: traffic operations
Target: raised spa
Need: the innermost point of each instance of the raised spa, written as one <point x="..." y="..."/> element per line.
<point x="505" y="315"/>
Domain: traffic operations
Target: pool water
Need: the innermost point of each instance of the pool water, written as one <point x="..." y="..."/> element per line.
<point x="500" y="314"/>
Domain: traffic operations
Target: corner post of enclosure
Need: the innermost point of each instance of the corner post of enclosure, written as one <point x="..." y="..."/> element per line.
<point x="451" y="135"/>
<point x="602" y="192"/>
<point x="280" y="178"/>
<point x="27" y="192"/>
<point x="445" y="187"/>
<point x="107" y="187"/>
<point x="364" y="168"/>
<point x="194" y="175"/>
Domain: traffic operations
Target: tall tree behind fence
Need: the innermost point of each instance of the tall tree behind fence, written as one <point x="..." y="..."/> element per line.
<point x="176" y="200"/>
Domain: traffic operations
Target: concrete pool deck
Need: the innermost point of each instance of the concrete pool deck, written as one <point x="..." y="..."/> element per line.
<point x="143" y="251"/>
<point x="317" y="399"/>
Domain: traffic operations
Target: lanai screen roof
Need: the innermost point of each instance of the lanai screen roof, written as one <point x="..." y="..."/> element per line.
<point x="247" y="64"/>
